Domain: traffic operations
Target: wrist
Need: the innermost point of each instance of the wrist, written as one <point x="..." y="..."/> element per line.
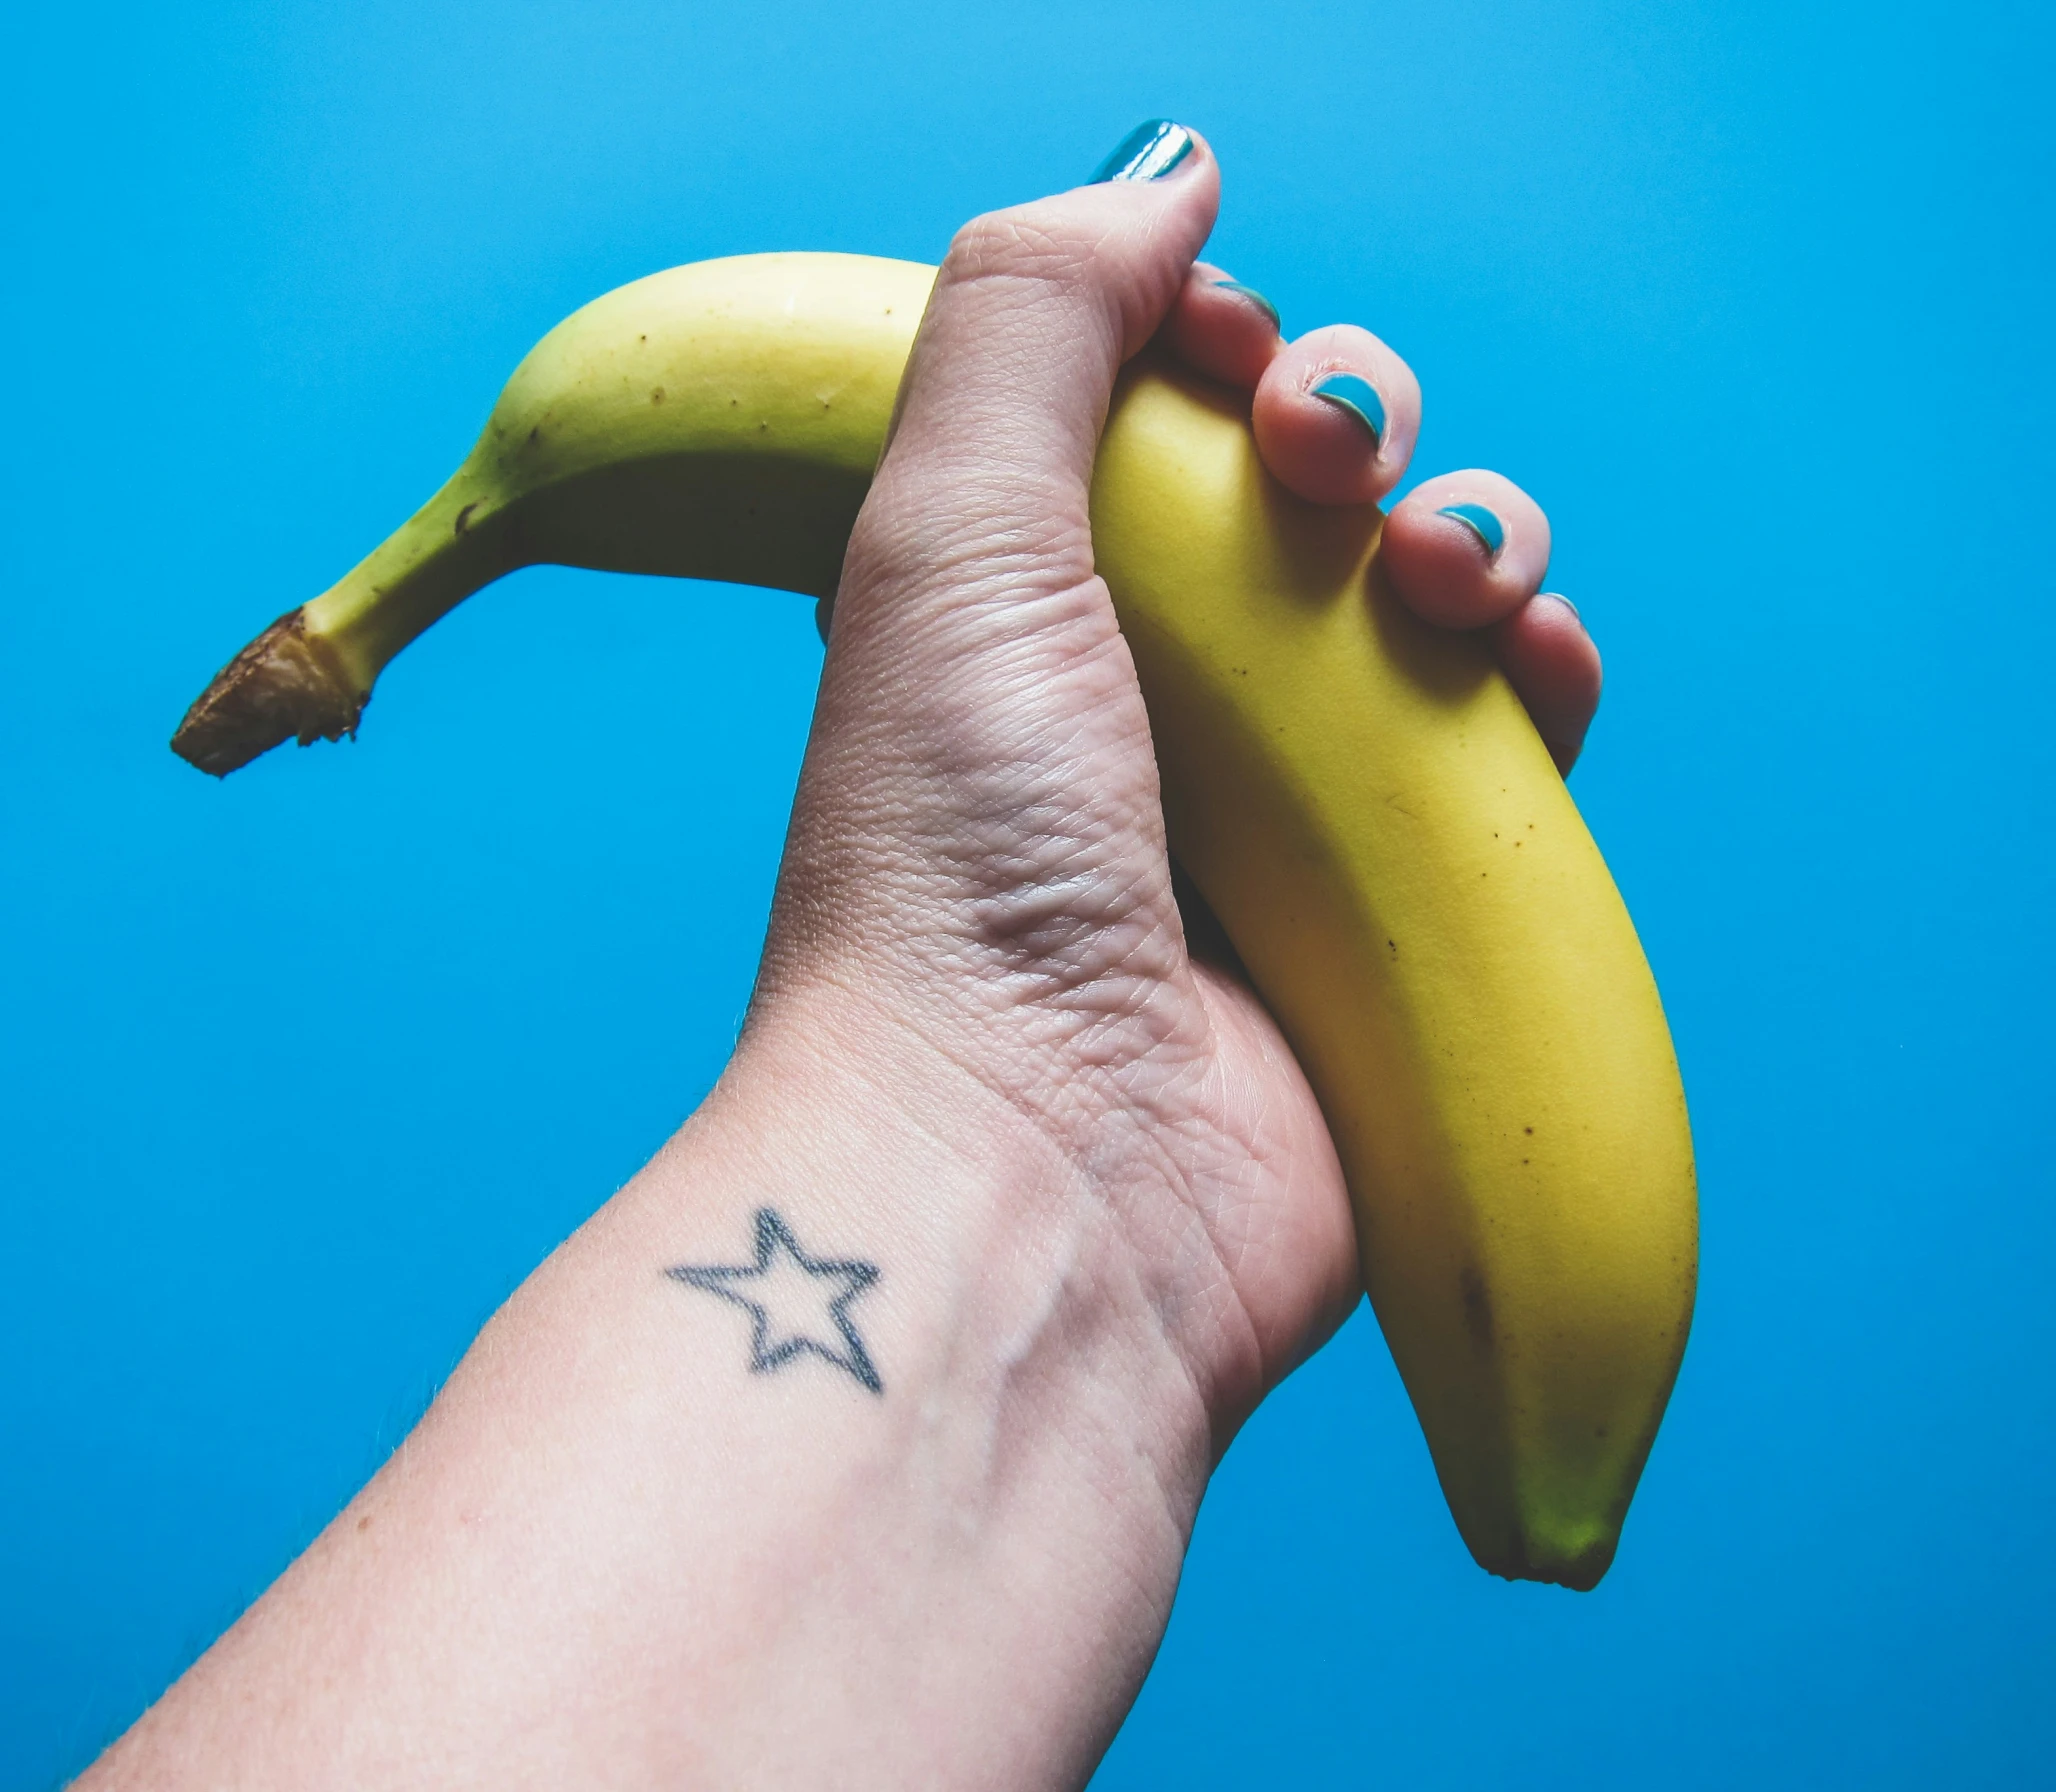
<point x="1016" y="1273"/>
<point x="1016" y="1493"/>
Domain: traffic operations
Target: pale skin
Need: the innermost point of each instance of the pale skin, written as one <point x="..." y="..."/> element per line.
<point x="1101" y="1206"/>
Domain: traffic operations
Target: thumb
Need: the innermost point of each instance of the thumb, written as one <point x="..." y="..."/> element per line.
<point x="980" y="783"/>
<point x="980" y="499"/>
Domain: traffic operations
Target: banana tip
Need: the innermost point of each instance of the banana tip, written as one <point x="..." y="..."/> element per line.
<point x="1578" y="1570"/>
<point x="286" y="685"/>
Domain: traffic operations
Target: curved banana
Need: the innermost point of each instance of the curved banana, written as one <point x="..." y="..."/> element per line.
<point x="1360" y="797"/>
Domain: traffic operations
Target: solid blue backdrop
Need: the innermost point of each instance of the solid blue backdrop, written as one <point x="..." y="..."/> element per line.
<point x="303" y="1072"/>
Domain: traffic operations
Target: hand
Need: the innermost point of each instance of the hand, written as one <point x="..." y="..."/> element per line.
<point x="667" y="1526"/>
<point x="977" y="846"/>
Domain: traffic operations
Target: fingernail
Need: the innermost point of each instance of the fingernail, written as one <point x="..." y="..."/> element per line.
<point x="1557" y="597"/>
<point x="1346" y="392"/>
<point x="1255" y="298"/>
<point x="1480" y="522"/>
<point x="1148" y="152"/>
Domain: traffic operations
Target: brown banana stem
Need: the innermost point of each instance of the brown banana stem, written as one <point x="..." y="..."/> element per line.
<point x="308" y="676"/>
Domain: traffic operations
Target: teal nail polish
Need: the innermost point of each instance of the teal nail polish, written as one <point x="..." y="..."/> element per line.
<point x="1148" y="152"/>
<point x="1557" y="597"/>
<point x="1255" y="298"/>
<point x="1480" y="522"/>
<point x="1358" y="397"/>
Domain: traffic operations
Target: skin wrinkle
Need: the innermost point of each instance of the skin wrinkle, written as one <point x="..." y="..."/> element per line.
<point x="1081" y="1327"/>
<point x="1035" y="1093"/>
<point x="1110" y="1168"/>
<point x="1033" y="266"/>
<point x="947" y="743"/>
<point x="1058" y="257"/>
<point x="1051" y="888"/>
<point x="1061" y="917"/>
<point x="1002" y="1066"/>
<point x="1004" y="790"/>
<point x="1173" y="1280"/>
<point x="1083" y="708"/>
<point x="951" y="571"/>
<point x="1003" y="804"/>
<point x="1062" y="923"/>
<point x="1024" y="944"/>
<point x="1033" y="1369"/>
<point x="1178" y="1297"/>
<point x="1011" y="456"/>
<point x="1241" y="1367"/>
<point x="1027" y="576"/>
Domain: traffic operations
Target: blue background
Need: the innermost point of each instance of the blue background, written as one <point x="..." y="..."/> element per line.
<point x="303" y="1072"/>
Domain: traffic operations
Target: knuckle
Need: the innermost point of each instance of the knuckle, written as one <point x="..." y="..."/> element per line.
<point x="1025" y="242"/>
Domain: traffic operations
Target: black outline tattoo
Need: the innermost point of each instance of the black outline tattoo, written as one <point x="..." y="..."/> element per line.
<point x="773" y="1235"/>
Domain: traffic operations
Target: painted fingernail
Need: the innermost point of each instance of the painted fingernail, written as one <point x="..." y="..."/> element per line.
<point x="1557" y="597"/>
<point x="1255" y="298"/>
<point x="1346" y="392"/>
<point x="1480" y="522"/>
<point x="1148" y="152"/>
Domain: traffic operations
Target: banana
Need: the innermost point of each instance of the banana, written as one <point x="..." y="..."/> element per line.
<point x="1360" y="797"/>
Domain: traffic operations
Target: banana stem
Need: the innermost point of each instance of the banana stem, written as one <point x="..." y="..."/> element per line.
<point x="308" y="676"/>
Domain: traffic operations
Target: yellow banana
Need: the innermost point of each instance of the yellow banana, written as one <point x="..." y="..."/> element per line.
<point x="1360" y="797"/>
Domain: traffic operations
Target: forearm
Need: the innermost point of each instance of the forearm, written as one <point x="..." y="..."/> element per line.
<point x="936" y="1548"/>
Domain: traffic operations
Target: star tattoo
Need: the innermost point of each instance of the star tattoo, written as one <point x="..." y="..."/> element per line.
<point x="798" y="1304"/>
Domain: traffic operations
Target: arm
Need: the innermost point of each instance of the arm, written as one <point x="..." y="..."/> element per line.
<point x="613" y="1554"/>
<point x="857" y="1441"/>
